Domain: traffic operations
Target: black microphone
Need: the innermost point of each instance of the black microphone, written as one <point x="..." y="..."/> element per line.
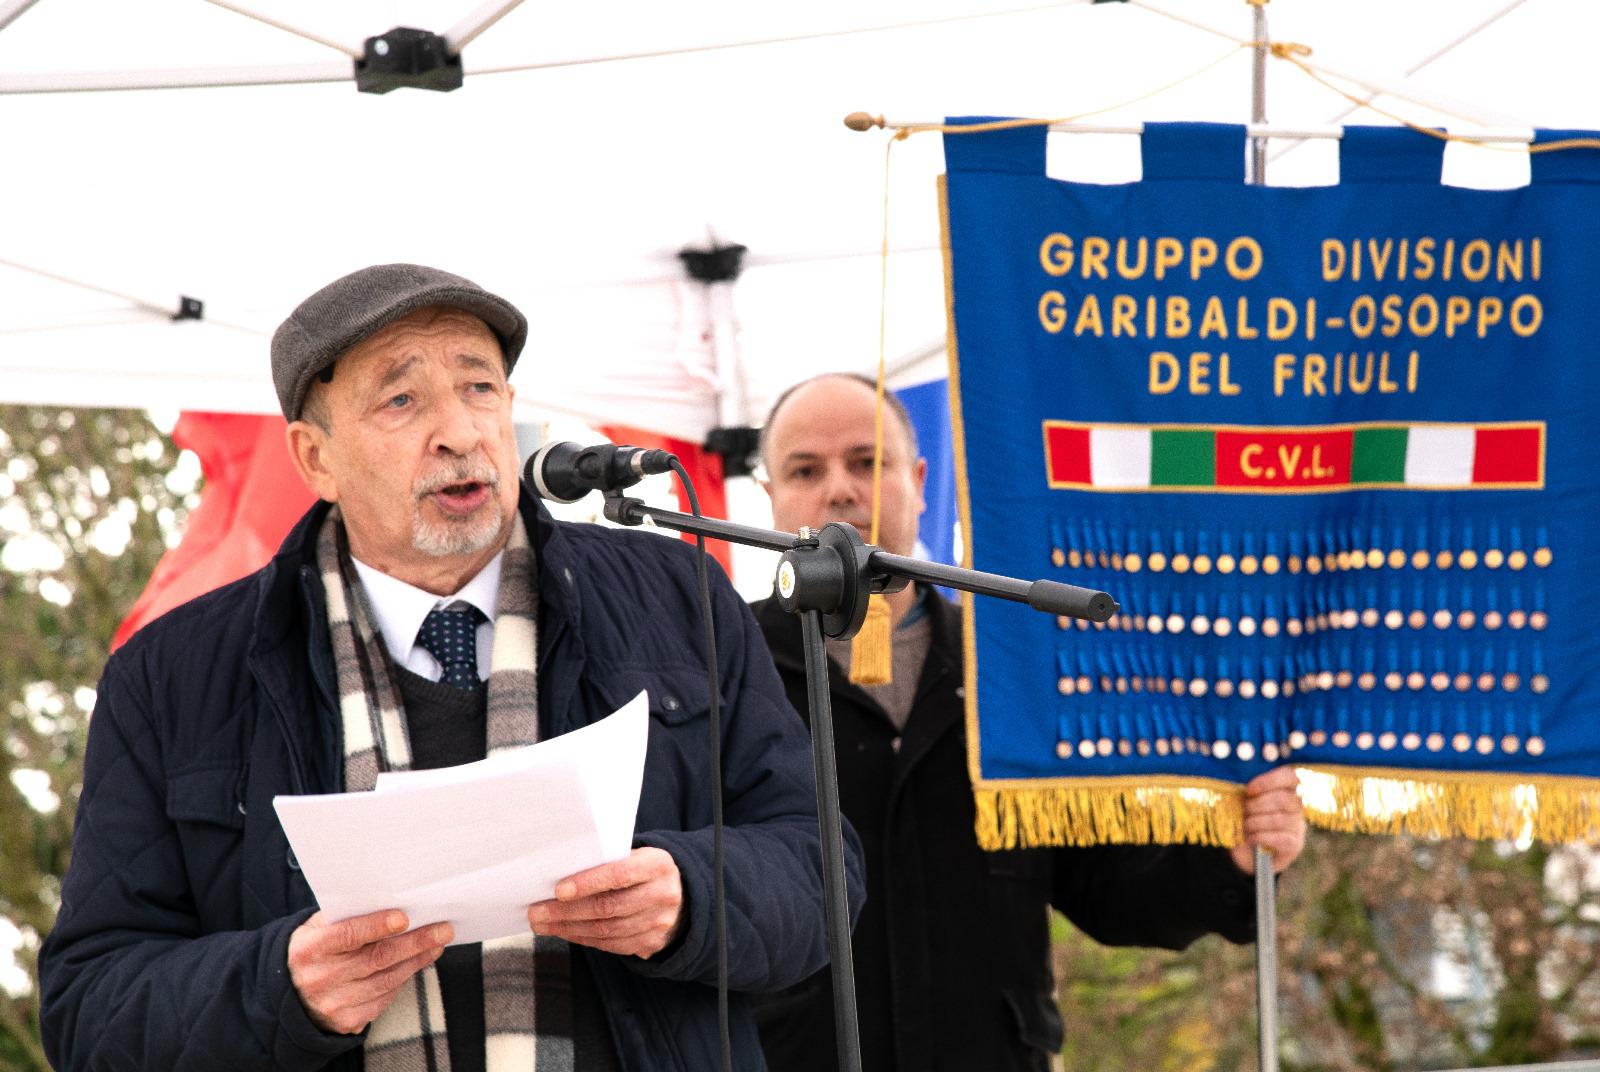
<point x="565" y="472"/>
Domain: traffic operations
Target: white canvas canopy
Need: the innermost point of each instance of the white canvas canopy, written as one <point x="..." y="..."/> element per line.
<point x="570" y="185"/>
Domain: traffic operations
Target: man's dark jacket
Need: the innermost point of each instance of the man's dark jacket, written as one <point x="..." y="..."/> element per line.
<point x="170" y="949"/>
<point x="952" y="951"/>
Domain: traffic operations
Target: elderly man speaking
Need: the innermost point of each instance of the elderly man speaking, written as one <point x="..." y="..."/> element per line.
<point x="424" y="613"/>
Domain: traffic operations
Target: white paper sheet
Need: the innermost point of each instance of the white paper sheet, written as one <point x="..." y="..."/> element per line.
<point x="476" y="844"/>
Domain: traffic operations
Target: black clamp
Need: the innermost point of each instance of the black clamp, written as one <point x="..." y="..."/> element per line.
<point x="189" y="309"/>
<point x="831" y="572"/>
<point x="407" y="58"/>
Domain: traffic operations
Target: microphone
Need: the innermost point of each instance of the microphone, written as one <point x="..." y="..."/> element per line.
<point x="565" y="472"/>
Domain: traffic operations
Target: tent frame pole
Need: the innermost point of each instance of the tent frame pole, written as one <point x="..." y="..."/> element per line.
<point x="1266" y="893"/>
<point x="485" y="15"/>
<point x="1399" y="89"/>
<point x="11" y="10"/>
<point x="1371" y="95"/>
<point x="351" y="50"/>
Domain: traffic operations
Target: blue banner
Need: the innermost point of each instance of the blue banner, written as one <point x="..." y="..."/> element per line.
<point x="1327" y="448"/>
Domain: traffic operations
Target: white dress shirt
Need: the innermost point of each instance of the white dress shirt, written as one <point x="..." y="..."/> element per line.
<point x="400" y="609"/>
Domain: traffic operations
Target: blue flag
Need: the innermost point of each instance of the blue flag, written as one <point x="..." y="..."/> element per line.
<point x="1327" y="448"/>
<point x="928" y="405"/>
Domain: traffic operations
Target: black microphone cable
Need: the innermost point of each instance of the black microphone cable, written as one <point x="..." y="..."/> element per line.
<point x="719" y="894"/>
<point x="577" y="471"/>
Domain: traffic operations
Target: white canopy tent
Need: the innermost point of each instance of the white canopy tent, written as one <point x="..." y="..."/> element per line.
<point x="590" y="143"/>
<point x="571" y="185"/>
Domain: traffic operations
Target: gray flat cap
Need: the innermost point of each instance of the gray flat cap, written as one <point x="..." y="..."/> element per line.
<point x="351" y="308"/>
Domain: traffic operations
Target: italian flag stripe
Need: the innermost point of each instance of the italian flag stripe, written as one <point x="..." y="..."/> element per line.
<point x="1330" y="458"/>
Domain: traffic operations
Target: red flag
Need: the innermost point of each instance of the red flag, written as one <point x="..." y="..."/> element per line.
<point x="251" y="499"/>
<point x="703" y="467"/>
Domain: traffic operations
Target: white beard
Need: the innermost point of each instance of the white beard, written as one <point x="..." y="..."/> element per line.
<point x="467" y="536"/>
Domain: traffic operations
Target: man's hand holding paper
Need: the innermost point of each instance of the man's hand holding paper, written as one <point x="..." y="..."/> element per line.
<point x="475" y="845"/>
<point x="632" y="907"/>
<point x="348" y="972"/>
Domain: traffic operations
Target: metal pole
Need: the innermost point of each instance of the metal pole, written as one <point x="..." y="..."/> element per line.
<point x="1507" y="136"/>
<point x="163" y="305"/>
<point x="1266" y="899"/>
<point x="1371" y="95"/>
<point x="1258" y="90"/>
<point x="1266" y="961"/>
<point x="274" y="74"/>
<point x="1399" y="89"/>
<point x="12" y="9"/>
<point x="837" y="902"/>
<point x="1052" y="597"/>
<point x="352" y="50"/>
<point x="484" y="16"/>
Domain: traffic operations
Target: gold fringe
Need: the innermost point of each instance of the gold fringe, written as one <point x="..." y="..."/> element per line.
<point x="1351" y="799"/>
<point x="1110" y="814"/>
<point x="872" y="650"/>
<point x="1441" y="804"/>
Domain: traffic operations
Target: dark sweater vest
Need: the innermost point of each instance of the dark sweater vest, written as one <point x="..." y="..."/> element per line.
<point x="447" y="726"/>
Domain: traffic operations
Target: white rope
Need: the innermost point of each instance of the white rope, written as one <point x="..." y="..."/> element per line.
<point x="1382" y="86"/>
<point x="1411" y="71"/>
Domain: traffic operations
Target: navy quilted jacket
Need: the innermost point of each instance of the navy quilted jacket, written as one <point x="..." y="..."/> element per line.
<point x="170" y="949"/>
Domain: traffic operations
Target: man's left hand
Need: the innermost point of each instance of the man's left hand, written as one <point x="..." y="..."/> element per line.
<point x="1273" y="819"/>
<point x="632" y="906"/>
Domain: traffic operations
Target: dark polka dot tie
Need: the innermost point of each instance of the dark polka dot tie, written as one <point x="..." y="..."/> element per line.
<point x="450" y="635"/>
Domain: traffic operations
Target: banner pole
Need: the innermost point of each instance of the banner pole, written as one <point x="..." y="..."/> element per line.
<point x="1266" y="961"/>
<point x="1266" y="894"/>
<point x="1258" y="89"/>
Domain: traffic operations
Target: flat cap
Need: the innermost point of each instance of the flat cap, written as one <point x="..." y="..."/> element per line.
<point x="353" y="307"/>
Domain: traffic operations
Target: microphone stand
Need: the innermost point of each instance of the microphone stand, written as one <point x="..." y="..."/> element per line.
<point x="826" y="577"/>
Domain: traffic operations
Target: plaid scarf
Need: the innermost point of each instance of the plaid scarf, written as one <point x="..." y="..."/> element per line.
<point x="522" y="1033"/>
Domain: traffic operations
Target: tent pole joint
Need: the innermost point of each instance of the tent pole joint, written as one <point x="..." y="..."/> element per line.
<point x="738" y="447"/>
<point x="407" y="58"/>
<point x="720" y="264"/>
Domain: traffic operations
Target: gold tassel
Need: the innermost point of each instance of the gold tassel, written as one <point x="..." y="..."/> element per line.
<point x="872" y="650"/>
